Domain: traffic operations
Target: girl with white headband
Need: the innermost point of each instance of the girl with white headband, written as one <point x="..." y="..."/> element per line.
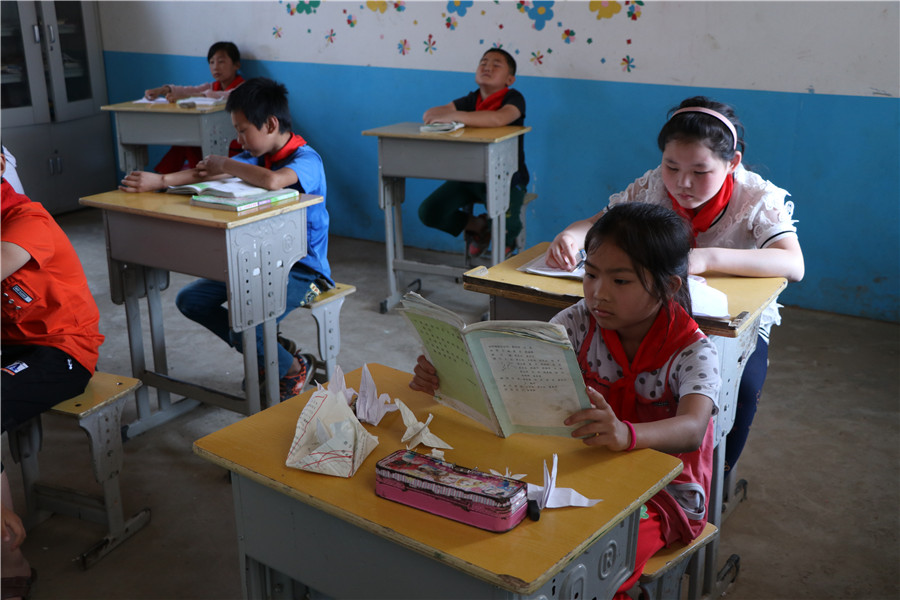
<point x="742" y="223"/>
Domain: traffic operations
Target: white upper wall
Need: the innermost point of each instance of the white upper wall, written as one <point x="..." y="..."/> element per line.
<point x="850" y="48"/>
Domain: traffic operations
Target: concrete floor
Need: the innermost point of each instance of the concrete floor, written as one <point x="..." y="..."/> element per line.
<point x="823" y="463"/>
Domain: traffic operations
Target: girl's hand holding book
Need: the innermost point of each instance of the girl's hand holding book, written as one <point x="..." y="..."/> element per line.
<point x="425" y="378"/>
<point x="602" y="428"/>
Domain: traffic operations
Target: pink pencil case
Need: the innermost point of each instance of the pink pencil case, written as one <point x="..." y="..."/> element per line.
<point x="466" y="495"/>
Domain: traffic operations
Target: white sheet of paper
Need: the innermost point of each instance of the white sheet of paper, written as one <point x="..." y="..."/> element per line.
<point x="707" y="301"/>
<point x="329" y="439"/>
<point x="201" y="101"/>
<point x="550" y="496"/>
<point x="417" y="432"/>
<point x="370" y="407"/>
<point x="539" y="266"/>
<point x="157" y="100"/>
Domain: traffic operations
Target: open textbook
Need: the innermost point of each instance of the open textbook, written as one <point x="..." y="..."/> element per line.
<point x="511" y="376"/>
<point x="706" y="301"/>
<point x="233" y="187"/>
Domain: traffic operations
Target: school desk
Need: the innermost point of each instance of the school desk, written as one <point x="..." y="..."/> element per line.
<point x="150" y="234"/>
<point x="515" y="294"/>
<point x="337" y="537"/>
<point x="141" y="124"/>
<point x="488" y="155"/>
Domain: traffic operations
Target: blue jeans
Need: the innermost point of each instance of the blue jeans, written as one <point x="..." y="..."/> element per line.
<point x="203" y="301"/>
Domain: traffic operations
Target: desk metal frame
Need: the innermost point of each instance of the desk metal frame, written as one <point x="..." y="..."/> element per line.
<point x="481" y="155"/>
<point x="251" y="254"/>
<point x="139" y="125"/>
<point x="283" y="542"/>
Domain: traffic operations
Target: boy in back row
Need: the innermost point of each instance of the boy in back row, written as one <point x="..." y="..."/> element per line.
<point x="273" y="158"/>
<point x="493" y="104"/>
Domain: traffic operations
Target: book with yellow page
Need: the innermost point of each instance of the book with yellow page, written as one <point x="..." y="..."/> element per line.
<point x="510" y="376"/>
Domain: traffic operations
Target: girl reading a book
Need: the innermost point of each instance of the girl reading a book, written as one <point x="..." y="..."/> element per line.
<point x="651" y="374"/>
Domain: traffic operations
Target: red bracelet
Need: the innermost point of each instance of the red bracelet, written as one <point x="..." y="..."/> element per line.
<point x="633" y="437"/>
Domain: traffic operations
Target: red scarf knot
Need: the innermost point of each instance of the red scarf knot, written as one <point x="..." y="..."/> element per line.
<point x="217" y="85"/>
<point x="702" y="218"/>
<point x="671" y="332"/>
<point x="295" y="142"/>
<point x="492" y="102"/>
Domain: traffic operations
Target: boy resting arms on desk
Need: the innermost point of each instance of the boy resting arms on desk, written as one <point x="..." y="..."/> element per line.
<point x="273" y="158"/>
<point x="493" y="104"/>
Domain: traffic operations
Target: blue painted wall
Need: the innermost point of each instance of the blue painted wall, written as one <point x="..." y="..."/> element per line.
<point x="838" y="156"/>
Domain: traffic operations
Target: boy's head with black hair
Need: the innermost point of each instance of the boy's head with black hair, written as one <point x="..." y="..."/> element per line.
<point x="510" y="61"/>
<point x="229" y="48"/>
<point x="496" y="70"/>
<point x="260" y="115"/>
<point x="260" y="98"/>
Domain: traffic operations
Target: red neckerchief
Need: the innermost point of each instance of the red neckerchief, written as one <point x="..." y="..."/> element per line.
<point x="492" y="102"/>
<point x="295" y="142"/>
<point x="238" y="80"/>
<point x="10" y="197"/>
<point x="672" y="331"/>
<point x="712" y="208"/>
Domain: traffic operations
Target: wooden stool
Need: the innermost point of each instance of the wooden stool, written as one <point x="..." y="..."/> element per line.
<point x="661" y="579"/>
<point x="326" y="310"/>
<point x="99" y="413"/>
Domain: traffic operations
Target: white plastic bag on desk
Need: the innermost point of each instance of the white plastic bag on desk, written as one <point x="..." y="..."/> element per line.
<point x="329" y="438"/>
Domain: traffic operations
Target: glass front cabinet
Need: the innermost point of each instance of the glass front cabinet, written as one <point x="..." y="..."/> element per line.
<point x="53" y="85"/>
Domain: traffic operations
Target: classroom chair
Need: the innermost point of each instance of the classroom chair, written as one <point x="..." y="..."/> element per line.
<point x="98" y="412"/>
<point x="326" y="310"/>
<point x="663" y="573"/>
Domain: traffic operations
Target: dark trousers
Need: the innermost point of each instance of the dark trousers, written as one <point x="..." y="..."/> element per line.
<point x="35" y="379"/>
<point x="749" y="392"/>
<point x="444" y="208"/>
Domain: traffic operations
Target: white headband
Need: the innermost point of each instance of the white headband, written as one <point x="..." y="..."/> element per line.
<point x="712" y="113"/>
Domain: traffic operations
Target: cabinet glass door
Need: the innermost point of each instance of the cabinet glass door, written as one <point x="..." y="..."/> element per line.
<point x="23" y="92"/>
<point x="71" y="43"/>
<point x="76" y="71"/>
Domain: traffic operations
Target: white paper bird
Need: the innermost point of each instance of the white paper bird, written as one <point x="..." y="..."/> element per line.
<point x="338" y="386"/>
<point x="508" y="474"/>
<point x="550" y="496"/>
<point x="370" y="407"/>
<point x="417" y="432"/>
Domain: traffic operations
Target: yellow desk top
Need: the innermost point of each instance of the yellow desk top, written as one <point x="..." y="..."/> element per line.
<point x="168" y="107"/>
<point x="466" y="134"/>
<point x="520" y="560"/>
<point x="178" y="207"/>
<point x="745" y="294"/>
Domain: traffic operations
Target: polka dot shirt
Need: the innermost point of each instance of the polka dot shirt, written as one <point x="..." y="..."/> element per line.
<point x="695" y="370"/>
